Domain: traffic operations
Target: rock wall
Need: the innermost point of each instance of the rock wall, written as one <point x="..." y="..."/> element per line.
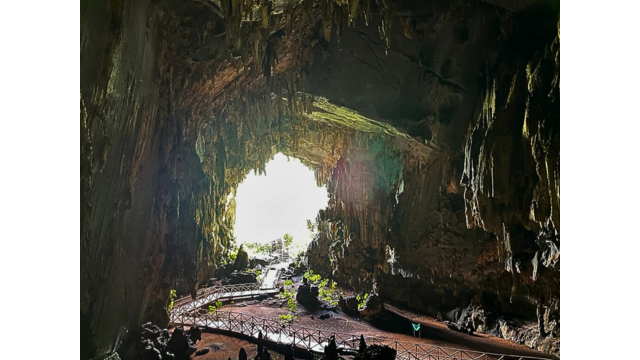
<point x="391" y="103"/>
<point x="474" y="225"/>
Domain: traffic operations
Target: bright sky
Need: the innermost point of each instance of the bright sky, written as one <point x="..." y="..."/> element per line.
<point x="280" y="202"/>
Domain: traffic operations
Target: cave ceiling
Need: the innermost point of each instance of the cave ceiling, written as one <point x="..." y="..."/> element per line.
<point x="433" y="124"/>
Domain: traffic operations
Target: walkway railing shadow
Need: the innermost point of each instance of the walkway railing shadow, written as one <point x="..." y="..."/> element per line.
<point x="315" y="339"/>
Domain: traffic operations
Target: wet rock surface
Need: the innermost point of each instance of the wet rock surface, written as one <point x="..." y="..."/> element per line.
<point x="436" y="134"/>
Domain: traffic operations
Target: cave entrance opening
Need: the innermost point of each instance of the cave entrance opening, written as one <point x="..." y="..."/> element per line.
<point x="284" y="200"/>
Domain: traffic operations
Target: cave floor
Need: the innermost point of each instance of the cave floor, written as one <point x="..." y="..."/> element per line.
<point x="433" y="332"/>
<point x="223" y="347"/>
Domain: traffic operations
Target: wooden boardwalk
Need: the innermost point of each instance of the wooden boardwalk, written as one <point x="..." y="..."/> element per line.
<point x="188" y="311"/>
<point x="315" y="340"/>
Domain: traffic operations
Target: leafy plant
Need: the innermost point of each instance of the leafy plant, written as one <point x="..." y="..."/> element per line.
<point x="233" y="255"/>
<point x="326" y="287"/>
<point x="172" y="296"/>
<point x="216" y="305"/>
<point x="288" y="239"/>
<point x="288" y="292"/>
<point x="259" y="248"/>
<point x="327" y="293"/>
<point x="362" y="301"/>
<point x="285" y="318"/>
<point x="312" y="278"/>
<point x="292" y="305"/>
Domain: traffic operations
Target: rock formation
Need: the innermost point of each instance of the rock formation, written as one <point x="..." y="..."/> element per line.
<point x="434" y="126"/>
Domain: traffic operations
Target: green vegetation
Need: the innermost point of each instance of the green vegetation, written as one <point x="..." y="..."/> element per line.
<point x="313" y="227"/>
<point x="288" y="239"/>
<point x="217" y="305"/>
<point x="326" y="287"/>
<point x="172" y="296"/>
<point x="314" y="279"/>
<point x="285" y="318"/>
<point x="259" y="248"/>
<point x="289" y="294"/>
<point x="288" y="290"/>
<point x="291" y="304"/>
<point x="327" y="292"/>
<point x="362" y="301"/>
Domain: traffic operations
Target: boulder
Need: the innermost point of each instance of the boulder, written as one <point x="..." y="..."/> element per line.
<point x="349" y="305"/>
<point x="180" y="345"/>
<point x="255" y="262"/>
<point x="373" y="306"/>
<point x="242" y="277"/>
<point x="151" y="353"/>
<point x="455" y="327"/>
<point x="153" y="341"/>
<point x="195" y="334"/>
<point x="242" y="259"/>
<point x="308" y="295"/>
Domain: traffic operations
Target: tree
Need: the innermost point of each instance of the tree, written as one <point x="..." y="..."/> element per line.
<point x="288" y="239"/>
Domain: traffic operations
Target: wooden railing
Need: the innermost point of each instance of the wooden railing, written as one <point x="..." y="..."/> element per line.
<point x="215" y="293"/>
<point x="315" y="340"/>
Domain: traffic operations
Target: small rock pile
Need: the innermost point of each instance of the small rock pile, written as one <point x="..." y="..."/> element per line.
<point x="156" y="343"/>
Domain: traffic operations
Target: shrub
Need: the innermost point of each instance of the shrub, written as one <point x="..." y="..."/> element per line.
<point x="362" y="301"/>
<point x="288" y="239"/>
<point x="259" y="248"/>
<point x="292" y="305"/>
<point x="285" y="318"/>
<point x="327" y="293"/>
<point x="312" y="278"/>
<point x="217" y="305"/>
<point x="288" y="291"/>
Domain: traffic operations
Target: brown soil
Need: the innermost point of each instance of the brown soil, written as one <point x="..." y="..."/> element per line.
<point x="223" y="347"/>
<point x="433" y="332"/>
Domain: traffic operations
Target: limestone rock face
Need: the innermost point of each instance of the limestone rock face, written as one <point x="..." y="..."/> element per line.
<point x="434" y="126"/>
<point x="475" y="226"/>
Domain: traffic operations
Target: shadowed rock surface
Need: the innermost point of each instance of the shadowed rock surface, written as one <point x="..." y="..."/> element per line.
<point x="434" y="126"/>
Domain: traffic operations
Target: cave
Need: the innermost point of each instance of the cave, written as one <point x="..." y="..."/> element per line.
<point x="433" y="125"/>
<point x="284" y="200"/>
